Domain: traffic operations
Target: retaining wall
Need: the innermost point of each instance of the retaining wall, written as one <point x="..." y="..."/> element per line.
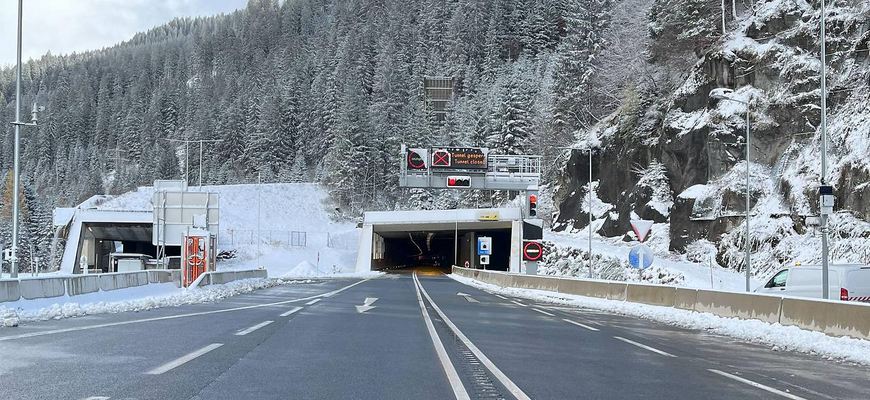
<point x="836" y="318"/>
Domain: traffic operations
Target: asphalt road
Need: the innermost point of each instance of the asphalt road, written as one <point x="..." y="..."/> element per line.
<point x="352" y="339"/>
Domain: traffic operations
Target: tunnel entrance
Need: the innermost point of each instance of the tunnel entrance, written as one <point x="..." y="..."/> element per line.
<point x="440" y="249"/>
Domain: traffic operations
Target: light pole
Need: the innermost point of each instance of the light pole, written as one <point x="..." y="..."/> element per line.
<point x="721" y="94"/>
<point x="823" y="95"/>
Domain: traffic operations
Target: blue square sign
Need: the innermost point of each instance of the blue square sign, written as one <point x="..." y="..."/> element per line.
<point x="484" y="246"/>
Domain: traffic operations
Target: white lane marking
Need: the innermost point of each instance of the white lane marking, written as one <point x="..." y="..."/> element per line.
<point x="467" y="297"/>
<point x="295" y="309"/>
<point x="312" y="302"/>
<point x="500" y="376"/>
<point x="458" y="388"/>
<point x="196" y="314"/>
<point x="581" y="325"/>
<point x="98" y="398"/>
<point x="756" y="384"/>
<point x="501" y="297"/>
<point x="367" y="305"/>
<point x="645" y="347"/>
<point x="253" y="328"/>
<point x="518" y="303"/>
<point x="543" y="312"/>
<point x="184" y="359"/>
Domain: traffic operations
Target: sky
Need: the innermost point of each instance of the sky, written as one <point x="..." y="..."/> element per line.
<point x="66" y="26"/>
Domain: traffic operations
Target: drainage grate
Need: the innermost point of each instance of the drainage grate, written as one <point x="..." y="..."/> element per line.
<point x="481" y="386"/>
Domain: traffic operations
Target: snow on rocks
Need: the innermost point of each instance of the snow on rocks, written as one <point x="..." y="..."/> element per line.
<point x="776" y="336"/>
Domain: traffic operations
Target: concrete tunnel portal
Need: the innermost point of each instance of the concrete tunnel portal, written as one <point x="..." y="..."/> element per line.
<point x="439" y="238"/>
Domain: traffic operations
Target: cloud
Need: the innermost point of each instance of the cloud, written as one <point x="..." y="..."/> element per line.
<point x="66" y="26"/>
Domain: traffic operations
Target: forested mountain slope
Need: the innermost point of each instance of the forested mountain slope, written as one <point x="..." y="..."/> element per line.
<point x="326" y="91"/>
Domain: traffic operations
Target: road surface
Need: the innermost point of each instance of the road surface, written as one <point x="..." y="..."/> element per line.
<point x="403" y="336"/>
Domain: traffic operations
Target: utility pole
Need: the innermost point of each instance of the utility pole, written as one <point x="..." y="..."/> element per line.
<point x="16" y="171"/>
<point x="590" y="213"/>
<point x="187" y="143"/>
<point x="823" y="178"/>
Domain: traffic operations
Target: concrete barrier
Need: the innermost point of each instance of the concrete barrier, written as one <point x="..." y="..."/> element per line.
<point x="82" y="284"/>
<point x="656" y="295"/>
<point x="42" y="288"/>
<point x="9" y="290"/>
<point x="222" y="277"/>
<point x="162" y="275"/>
<point x="831" y="317"/>
<point x="685" y="299"/>
<point x="121" y="280"/>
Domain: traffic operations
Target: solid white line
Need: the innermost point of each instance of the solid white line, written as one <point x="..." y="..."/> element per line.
<point x="295" y="309"/>
<point x="756" y="384"/>
<point x="501" y="297"/>
<point x="543" y="312"/>
<point x="196" y="314"/>
<point x="500" y="376"/>
<point x="458" y="388"/>
<point x="312" y="302"/>
<point x="253" y="328"/>
<point x="645" y="347"/>
<point x="180" y="361"/>
<point x="581" y="325"/>
<point x="518" y="303"/>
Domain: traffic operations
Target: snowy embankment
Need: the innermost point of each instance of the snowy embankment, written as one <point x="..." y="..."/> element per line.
<point x="694" y="275"/>
<point x="276" y="226"/>
<point x="141" y="298"/>
<point x="778" y="337"/>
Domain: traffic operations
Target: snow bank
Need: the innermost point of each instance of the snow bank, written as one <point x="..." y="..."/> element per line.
<point x="778" y="337"/>
<point x="134" y="299"/>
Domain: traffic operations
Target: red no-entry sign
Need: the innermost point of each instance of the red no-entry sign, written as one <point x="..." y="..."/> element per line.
<point x="532" y="251"/>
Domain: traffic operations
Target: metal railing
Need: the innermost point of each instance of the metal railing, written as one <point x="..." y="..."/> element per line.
<point x="273" y="237"/>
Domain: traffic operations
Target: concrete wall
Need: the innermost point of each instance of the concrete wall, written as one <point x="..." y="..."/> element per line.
<point x="836" y="318"/>
<point x="121" y="280"/>
<point x="221" y="277"/>
<point x="41" y="288"/>
<point x="82" y="284"/>
<point x="9" y="290"/>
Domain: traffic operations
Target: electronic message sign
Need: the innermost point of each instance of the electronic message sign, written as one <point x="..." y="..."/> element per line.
<point x="459" y="158"/>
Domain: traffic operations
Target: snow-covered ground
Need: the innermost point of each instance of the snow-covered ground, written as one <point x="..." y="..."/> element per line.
<point x="132" y="299"/>
<point x="281" y="213"/>
<point x="778" y="337"/>
<point x="695" y="275"/>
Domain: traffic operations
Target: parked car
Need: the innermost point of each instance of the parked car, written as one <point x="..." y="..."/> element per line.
<point x="845" y="282"/>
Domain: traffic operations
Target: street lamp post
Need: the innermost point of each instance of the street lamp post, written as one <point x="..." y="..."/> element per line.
<point x="721" y="94"/>
<point x="824" y="125"/>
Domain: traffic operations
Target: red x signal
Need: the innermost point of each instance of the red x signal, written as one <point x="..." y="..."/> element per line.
<point x="441" y="159"/>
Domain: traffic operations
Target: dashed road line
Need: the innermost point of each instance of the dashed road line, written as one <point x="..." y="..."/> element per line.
<point x="645" y="347"/>
<point x="518" y="303"/>
<point x="495" y="371"/>
<point x="183" y="359"/>
<point x="312" y="302"/>
<point x="543" y="312"/>
<point x="580" y="325"/>
<point x="295" y="309"/>
<point x="459" y="390"/>
<point x="756" y="384"/>
<point x="501" y="297"/>
<point x="244" y="332"/>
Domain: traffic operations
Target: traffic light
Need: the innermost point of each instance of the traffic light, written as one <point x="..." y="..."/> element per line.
<point x="533" y="205"/>
<point x="459" y="181"/>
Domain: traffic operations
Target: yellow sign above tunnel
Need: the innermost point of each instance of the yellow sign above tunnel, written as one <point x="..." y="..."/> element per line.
<point x="487" y="216"/>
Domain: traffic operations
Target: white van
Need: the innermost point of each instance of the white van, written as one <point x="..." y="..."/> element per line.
<point x="846" y="282"/>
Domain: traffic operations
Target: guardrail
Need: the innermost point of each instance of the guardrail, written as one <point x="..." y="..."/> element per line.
<point x="221" y="277"/>
<point x="835" y="318"/>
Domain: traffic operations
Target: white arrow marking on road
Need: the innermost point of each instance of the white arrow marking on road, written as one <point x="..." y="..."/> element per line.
<point x="367" y="305"/>
<point x="467" y="297"/>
